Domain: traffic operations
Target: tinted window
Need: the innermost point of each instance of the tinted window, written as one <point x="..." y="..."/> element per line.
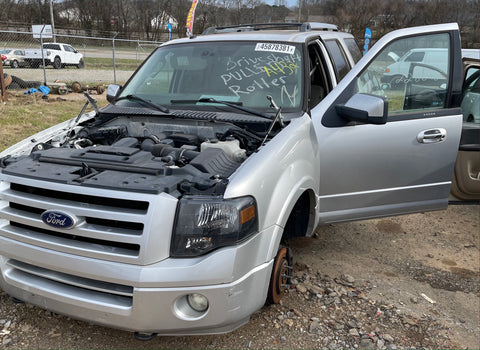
<point x="339" y="61"/>
<point x="353" y="48"/>
<point x="51" y="46"/>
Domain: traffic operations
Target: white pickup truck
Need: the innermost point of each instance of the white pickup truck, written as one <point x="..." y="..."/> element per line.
<point x="55" y="54"/>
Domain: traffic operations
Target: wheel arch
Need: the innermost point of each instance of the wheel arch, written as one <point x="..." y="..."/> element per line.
<point x="301" y="218"/>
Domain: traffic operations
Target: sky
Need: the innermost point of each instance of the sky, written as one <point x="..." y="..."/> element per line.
<point x="289" y="2"/>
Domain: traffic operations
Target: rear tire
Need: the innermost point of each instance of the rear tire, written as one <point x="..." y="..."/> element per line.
<point x="14" y="64"/>
<point x="57" y="63"/>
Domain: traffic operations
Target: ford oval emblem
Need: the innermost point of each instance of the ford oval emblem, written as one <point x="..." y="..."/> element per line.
<point x="59" y="219"/>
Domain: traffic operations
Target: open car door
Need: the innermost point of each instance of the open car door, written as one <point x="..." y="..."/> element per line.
<point x="466" y="178"/>
<point x="389" y="150"/>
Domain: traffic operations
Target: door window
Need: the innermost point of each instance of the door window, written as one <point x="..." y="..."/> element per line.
<point x="417" y="81"/>
<point x="68" y="48"/>
<point x="471" y="96"/>
<point x="318" y="76"/>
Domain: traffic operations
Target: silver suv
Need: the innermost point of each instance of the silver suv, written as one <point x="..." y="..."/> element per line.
<point x="166" y="211"/>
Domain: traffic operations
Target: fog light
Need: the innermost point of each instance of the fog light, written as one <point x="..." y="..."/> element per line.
<point x="198" y="302"/>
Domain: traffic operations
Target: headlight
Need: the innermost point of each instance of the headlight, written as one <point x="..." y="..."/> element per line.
<point x="203" y="224"/>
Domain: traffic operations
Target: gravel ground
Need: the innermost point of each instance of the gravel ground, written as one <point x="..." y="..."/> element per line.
<point x="409" y="282"/>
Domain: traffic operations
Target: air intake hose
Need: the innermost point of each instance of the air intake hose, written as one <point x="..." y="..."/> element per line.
<point x="175" y="154"/>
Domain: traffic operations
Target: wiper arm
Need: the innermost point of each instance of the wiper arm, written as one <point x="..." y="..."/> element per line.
<point x="236" y="105"/>
<point x="207" y="100"/>
<point x="147" y="102"/>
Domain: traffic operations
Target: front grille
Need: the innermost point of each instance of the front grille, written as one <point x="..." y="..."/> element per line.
<point x="99" y="245"/>
<point x="113" y="294"/>
<point x="109" y="228"/>
<point x="80" y="198"/>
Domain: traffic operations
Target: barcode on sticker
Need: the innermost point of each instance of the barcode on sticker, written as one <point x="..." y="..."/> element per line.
<point x="289" y="49"/>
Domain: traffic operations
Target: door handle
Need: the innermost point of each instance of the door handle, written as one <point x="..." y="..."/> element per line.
<point x="432" y="135"/>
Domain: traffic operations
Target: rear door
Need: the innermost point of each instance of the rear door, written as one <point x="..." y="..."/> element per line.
<point x="466" y="178"/>
<point x="404" y="165"/>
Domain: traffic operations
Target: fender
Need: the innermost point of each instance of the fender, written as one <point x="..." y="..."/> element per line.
<point x="278" y="175"/>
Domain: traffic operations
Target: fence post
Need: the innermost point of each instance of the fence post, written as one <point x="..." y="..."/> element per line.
<point x="2" y="83"/>
<point x="138" y="47"/>
<point x="114" y="69"/>
<point x="43" y="57"/>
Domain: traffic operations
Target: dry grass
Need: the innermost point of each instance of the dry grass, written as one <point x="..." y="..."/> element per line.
<point x="24" y="115"/>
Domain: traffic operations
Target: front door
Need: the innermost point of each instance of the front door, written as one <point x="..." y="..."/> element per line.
<point x="406" y="164"/>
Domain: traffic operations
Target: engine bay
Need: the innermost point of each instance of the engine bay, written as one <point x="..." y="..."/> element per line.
<point x="142" y="154"/>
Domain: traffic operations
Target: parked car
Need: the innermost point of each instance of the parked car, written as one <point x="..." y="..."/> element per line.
<point x="399" y="72"/>
<point x="168" y="211"/>
<point x="57" y="55"/>
<point x="13" y="57"/>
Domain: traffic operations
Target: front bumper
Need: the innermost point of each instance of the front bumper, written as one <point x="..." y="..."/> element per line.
<point x="138" y="298"/>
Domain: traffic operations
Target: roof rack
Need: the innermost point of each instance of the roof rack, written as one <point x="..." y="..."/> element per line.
<point x="302" y="27"/>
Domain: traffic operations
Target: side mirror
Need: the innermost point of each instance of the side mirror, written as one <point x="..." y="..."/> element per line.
<point x="112" y="91"/>
<point x="370" y="109"/>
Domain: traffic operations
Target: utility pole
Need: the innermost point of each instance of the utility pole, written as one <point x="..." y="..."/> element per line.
<point x="299" y="11"/>
<point x="52" y="21"/>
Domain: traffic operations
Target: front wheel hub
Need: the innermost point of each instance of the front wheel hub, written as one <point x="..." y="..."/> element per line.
<point x="281" y="275"/>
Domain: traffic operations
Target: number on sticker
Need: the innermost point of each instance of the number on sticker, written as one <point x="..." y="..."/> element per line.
<point x="289" y="49"/>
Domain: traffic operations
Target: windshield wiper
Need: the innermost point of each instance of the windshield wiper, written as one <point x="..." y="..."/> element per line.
<point x="147" y="102"/>
<point x="235" y="105"/>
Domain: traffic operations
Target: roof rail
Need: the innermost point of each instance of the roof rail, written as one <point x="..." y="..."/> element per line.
<point x="302" y="27"/>
<point x="307" y="26"/>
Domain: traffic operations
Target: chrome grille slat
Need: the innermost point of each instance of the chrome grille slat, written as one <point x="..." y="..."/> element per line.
<point x="85" y="229"/>
<point x="81" y="282"/>
<point x="102" y="211"/>
<point x="41" y="239"/>
<point x="24" y="278"/>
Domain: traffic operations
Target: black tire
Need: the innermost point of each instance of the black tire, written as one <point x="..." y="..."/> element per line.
<point x="57" y="63"/>
<point x="14" y="64"/>
<point x="34" y="64"/>
<point x="397" y="82"/>
<point x="18" y="83"/>
<point x="80" y="64"/>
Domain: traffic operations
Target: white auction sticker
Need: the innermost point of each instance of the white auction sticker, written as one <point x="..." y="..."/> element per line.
<point x="290" y="49"/>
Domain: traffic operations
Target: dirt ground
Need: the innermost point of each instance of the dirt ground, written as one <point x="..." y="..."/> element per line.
<point x="412" y="282"/>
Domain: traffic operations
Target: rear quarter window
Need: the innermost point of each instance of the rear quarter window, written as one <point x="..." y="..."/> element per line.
<point x="353" y="49"/>
<point x="338" y="57"/>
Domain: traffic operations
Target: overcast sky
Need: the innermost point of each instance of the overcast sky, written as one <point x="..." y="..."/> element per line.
<point x="289" y="2"/>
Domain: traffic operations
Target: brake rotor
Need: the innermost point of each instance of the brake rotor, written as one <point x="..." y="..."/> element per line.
<point x="281" y="275"/>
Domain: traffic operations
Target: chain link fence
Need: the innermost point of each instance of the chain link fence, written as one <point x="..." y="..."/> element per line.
<point x="104" y="60"/>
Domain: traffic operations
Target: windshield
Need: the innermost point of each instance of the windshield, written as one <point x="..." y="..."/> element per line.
<point x="244" y="73"/>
